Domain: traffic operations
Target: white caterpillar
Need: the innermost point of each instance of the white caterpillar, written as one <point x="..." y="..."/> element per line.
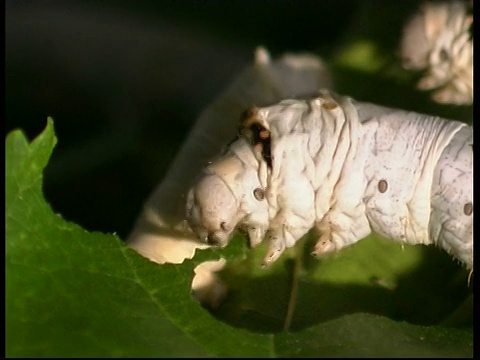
<point x="438" y="39"/>
<point x="343" y="168"/>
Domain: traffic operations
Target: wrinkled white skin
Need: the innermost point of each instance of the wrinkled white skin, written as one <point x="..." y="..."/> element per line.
<point x="437" y="39"/>
<point x="428" y="165"/>
<point x="452" y="188"/>
<point x="330" y="155"/>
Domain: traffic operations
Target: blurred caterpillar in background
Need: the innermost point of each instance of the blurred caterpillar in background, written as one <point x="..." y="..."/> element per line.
<point x="344" y="168"/>
<point x="438" y="39"/>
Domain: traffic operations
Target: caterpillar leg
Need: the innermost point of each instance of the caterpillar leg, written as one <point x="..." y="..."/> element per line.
<point x="275" y="249"/>
<point x="255" y="235"/>
<point x="276" y="239"/>
<point x="324" y="244"/>
<point x="336" y="231"/>
<point x="284" y="232"/>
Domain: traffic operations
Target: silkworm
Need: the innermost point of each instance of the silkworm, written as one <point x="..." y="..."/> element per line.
<point x="344" y="171"/>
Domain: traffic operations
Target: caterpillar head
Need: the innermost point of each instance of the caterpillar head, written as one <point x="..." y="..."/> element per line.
<point x="227" y="195"/>
<point x="212" y="210"/>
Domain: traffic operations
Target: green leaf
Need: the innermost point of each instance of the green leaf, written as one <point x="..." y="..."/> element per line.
<point x="366" y="335"/>
<point x="75" y="293"/>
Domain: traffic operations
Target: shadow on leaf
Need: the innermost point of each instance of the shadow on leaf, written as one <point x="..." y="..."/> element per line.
<point x="346" y="283"/>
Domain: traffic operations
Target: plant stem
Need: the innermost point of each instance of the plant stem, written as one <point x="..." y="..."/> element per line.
<point x="294" y="289"/>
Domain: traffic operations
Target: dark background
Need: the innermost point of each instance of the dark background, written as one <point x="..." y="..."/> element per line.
<point x="125" y="80"/>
